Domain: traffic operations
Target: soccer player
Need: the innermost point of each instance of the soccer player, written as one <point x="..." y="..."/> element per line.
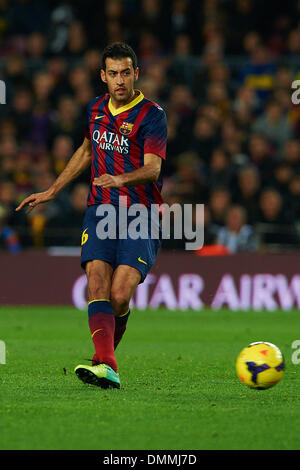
<point x="125" y="143"/>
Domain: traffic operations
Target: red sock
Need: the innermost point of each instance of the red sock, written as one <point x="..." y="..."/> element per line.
<point x="120" y="327"/>
<point x="102" y="326"/>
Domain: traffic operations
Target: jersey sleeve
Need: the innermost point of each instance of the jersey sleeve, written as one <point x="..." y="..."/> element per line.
<point x="89" y="111"/>
<point x="87" y="134"/>
<point x="155" y="132"/>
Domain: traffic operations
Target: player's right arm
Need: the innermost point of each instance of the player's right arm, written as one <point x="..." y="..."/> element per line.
<point x="79" y="161"/>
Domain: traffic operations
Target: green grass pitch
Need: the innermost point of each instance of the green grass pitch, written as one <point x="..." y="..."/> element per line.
<point x="179" y="388"/>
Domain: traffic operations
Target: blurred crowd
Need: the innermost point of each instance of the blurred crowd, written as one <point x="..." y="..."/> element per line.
<point x="222" y="70"/>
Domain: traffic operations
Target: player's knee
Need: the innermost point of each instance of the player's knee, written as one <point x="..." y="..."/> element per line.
<point x="119" y="301"/>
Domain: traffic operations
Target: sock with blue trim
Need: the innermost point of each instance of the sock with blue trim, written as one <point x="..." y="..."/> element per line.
<point x="102" y="327"/>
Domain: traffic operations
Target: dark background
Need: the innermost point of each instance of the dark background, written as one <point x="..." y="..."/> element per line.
<point x="222" y="70"/>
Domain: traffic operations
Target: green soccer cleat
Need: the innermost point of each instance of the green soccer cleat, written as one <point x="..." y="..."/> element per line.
<point x="101" y="375"/>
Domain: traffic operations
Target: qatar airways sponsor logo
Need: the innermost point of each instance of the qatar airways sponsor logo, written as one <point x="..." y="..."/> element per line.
<point x="257" y="292"/>
<point x="111" y="141"/>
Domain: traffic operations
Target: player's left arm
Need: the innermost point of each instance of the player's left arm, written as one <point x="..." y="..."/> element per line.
<point x="147" y="173"/>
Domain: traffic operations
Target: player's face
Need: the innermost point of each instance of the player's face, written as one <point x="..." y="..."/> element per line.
<point x="120" y="77"/>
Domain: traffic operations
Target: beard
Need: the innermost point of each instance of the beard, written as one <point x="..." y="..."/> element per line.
<point x="122" y="97"/>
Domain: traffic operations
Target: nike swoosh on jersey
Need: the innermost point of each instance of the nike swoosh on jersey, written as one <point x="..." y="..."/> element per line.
<point x="141" y="260"/>
<point x="99" y="117"/>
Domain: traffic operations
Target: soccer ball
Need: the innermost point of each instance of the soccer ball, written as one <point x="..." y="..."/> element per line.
<point x="260" y="365"/>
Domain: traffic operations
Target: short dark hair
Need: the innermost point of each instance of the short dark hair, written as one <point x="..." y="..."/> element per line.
<point x="119" y="50"/>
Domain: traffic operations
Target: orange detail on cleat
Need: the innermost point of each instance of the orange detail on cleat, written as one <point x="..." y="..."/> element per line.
<point x="264" y="352"/>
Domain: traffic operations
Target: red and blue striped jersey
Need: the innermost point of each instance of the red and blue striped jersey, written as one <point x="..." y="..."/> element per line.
<point x="120" y="139"/>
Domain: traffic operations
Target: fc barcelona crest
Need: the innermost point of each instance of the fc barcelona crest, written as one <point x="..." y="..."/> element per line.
<point x="126" y="128"/>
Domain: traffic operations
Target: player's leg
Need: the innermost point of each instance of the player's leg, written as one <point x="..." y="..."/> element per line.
<point x="103" y="372"/>
<point x="97" y="258"/>
<point x="124" y="282"/>
<point x="100" y="311"/>
<point x="99" y="277"/>
<point x="135" y="258"/>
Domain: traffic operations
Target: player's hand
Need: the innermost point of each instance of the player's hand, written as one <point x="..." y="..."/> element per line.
<point x="108" y="181"/>
<point x="35" y="199"/>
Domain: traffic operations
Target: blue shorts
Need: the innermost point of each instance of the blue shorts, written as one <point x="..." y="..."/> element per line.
<point x="139" y="253"/>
